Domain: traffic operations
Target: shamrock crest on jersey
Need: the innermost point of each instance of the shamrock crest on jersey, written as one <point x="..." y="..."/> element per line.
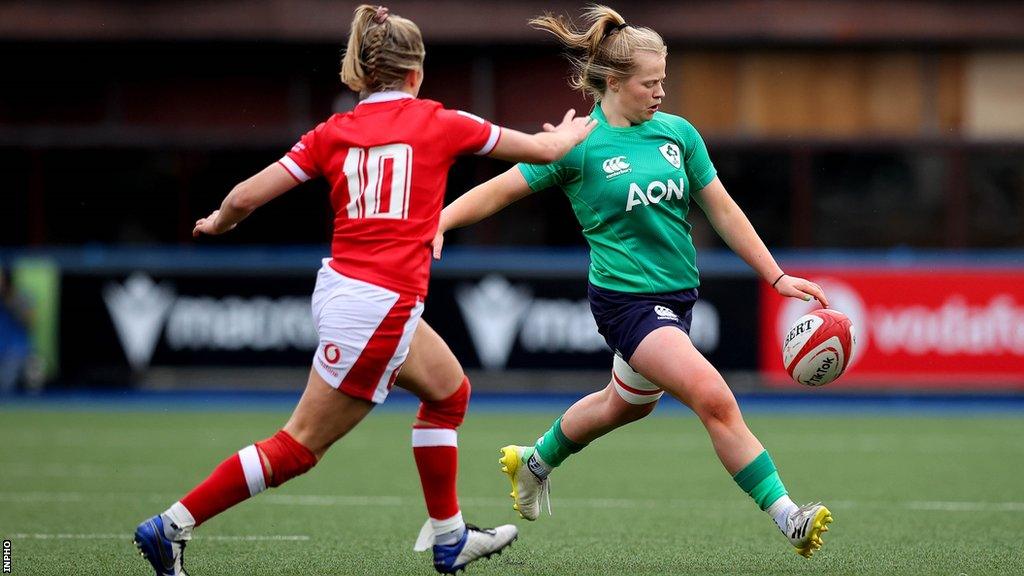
<point x="671" y="153"/>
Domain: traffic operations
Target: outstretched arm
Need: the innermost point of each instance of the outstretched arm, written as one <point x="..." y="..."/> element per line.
<point x="733" y="226"/>
<point x="544" y="147"/>
<point x="245" y="198"/>
<point x="479" y="203"/>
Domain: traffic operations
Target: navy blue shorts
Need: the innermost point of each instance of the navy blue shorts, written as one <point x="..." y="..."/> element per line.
<point x="624" y="319"/>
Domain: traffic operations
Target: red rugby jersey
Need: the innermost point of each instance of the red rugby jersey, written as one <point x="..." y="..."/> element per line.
<point x="387" y="162"/>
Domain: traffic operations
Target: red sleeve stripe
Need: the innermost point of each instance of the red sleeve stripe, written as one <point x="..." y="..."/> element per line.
<point x="492" y="141"/>
<point x="293" y="169"/>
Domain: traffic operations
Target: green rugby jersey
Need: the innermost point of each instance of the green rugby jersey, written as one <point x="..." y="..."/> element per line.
<point x="630" y="189"/>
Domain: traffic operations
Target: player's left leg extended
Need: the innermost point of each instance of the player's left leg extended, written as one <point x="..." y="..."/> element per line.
<point x="434" y="374"/>
<point x="322" y="416"/>
<point x="667" y="357"/>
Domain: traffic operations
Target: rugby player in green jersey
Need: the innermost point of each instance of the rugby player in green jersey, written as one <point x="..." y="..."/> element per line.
<point x="630" y="184"/>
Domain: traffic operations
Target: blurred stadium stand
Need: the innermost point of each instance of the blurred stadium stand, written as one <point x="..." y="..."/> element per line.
<point x="846" y="126"/>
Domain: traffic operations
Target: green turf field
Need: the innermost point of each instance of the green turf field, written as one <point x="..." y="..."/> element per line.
<point x="910" y="495"/>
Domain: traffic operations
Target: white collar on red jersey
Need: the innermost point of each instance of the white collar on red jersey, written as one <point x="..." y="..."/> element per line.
<point x="386" y="96"/>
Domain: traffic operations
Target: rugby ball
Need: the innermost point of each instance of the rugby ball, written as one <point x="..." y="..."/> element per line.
<point x="819" y="347"/>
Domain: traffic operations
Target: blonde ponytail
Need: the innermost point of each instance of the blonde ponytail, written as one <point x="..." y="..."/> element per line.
<point x="382" y="49"/>
<point x="605" y="48"/>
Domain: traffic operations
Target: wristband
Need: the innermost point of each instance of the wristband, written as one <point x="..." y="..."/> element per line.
<point x="777" y="279"/>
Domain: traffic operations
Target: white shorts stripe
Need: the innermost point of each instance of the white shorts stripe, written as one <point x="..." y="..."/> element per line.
<point x="253" y="469"/>
<point x="422" y="437"/>
<point x="492" y="141"/>
<point x="292" y="167"/>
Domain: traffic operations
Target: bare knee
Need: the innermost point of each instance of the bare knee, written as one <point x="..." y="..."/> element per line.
<point x="323" y="416"/>
<point x="311" y="435"/>
<point x="437" y="387"/>
<point x="431" y="371"/>
<point x="718" y="409"/>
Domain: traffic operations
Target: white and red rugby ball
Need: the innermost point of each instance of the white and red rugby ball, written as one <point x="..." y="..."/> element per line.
<point x="819" y="347"/>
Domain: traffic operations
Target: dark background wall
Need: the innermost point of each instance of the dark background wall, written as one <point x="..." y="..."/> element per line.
<point x="894" y="123"/>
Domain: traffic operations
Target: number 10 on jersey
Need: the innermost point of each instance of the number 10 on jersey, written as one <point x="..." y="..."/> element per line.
<point x="379" y="179"/>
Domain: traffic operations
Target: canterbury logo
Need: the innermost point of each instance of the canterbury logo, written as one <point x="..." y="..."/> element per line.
<point x="665" y="313"/>
<point x="616" y="166"/>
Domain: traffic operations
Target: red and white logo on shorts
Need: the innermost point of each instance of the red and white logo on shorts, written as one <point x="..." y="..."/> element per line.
<point x="332" y="354"/>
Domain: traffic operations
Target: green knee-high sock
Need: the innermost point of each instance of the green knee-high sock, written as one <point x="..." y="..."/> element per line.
<point x="761" y="481"/>
<point x="553" y="447"/>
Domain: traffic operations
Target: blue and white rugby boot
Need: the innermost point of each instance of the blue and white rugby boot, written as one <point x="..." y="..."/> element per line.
<point x="476" y="543"/>
<point x="162" y="543"/>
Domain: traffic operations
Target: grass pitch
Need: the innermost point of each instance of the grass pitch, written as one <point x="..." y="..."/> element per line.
<point x="910" y="495"/>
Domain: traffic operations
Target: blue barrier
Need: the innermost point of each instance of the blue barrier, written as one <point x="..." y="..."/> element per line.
<point x="402" y="401"/>
<point x="465" y="260"/>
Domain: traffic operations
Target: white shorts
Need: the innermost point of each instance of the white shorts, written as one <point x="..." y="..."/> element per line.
<point x="365" y="332"/>
<point x="631" y="385"/>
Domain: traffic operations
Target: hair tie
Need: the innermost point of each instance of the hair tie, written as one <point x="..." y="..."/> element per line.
<point x="616" y="28"/>
<point x="382" y="15"/>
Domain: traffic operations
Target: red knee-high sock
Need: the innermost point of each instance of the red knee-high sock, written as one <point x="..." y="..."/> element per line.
<point x="437" y="459"/>
<point x="243" y="475"/>
<point x="234" y="480"/>
<point x="435" y="449"/>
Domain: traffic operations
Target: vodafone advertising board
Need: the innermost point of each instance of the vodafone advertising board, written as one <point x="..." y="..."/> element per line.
<point x="925" y="328"/>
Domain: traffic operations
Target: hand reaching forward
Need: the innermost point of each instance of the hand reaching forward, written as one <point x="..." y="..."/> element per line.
<point x="796" y="287"/>
<point x="576" y="127"/>
<point x="210" y="225"/>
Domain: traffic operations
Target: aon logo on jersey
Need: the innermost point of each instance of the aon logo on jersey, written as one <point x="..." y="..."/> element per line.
<point x="655" y="193"/>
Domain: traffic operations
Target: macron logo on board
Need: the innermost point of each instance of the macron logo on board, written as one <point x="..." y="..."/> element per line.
<point x="494" y="311"/>
<point x="139" y="309"/>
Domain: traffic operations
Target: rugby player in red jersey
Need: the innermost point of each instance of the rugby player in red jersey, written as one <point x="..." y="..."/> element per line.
<point x="387" y="163"/>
